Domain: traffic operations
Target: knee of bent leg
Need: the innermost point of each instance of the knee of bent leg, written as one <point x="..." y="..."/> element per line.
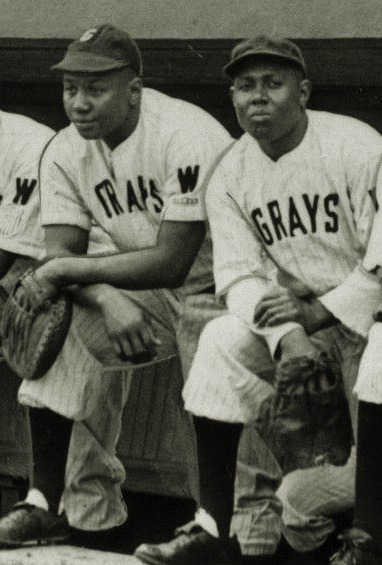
<point x="226" y="333"/>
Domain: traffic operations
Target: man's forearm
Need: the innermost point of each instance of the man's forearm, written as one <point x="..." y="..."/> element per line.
<point x="318" y="317"/>
<point x="6" y="261"/>
<point x="144" y="269"/>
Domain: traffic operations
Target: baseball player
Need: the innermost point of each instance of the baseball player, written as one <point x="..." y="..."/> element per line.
<point x="293" y="196"/>
<point x="133" y="162"/>
<point x="362" y="544"/>
<point x="21" y="143"/>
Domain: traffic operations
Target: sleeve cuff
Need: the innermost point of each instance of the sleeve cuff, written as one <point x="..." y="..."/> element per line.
<point x="185" y="208"/>
<point x="80" y="221"/>
<point x="242" y="299"/>
<point x="354" y="301"/>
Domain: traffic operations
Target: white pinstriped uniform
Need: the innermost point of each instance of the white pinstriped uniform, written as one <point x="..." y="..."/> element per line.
<point x="313" y="209"/>
<point x="21" y="143"/>
<point x="154" y="175"/>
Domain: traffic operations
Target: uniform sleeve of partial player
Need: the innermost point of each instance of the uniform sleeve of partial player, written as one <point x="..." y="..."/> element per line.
<point x="354" y="301"/>
<point x="61" y="202"/>
<point x="189" y="159"/>
<point x="243" y="275"/>
<point x="20" y="226"/>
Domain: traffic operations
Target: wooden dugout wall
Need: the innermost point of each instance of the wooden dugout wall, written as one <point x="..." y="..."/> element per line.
<point x="347" y="77"/>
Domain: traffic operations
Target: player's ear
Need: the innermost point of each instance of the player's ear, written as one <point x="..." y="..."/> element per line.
<point x="232" y="93"/>
<point x="135" y="88"/>
<point x="305" y="91"/>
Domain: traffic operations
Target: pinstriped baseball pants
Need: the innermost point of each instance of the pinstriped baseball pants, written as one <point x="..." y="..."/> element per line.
<point x="230" y="379"/>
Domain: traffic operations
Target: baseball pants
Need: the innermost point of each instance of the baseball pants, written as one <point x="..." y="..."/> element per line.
<point x="230" y="379"/>
<point x="77" y="388"/>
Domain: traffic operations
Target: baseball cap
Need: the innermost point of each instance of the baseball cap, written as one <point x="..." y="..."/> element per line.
<point x="100" y="49"/>
<point x="264" y="46"/>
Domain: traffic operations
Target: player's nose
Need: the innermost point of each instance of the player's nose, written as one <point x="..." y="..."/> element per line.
<point x="259" y="93"/>
<point x="80" y="102"/>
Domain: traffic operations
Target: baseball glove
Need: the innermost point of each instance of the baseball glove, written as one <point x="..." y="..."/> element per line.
<point x="33" y="327"/>
<point x="310" y="421"/>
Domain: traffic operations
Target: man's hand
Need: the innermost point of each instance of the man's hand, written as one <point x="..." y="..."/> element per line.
<point x="48" y="276"/>
<point x="296" y="344"/>
<point x="280" y="305"/>
<point x="129" y="328"/>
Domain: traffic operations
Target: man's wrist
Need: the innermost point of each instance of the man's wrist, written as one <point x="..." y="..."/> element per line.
<point x="317" y="316"/>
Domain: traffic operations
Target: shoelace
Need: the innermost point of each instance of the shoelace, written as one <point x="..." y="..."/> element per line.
<point x="350" y="543"/>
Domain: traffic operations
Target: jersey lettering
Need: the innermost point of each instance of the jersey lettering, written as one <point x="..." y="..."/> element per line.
<point x="312" y="210"/>
<point x="263" y="229"/>
<point x="24" y="189"/>
<point x="275" y="214"/>
<point x="331" y="227"/>
<point x="188" y="178"/>
<point x="108" y="198"/>
<point x="145" y="196"/>
<point x="294" y="220"/>
<point x="373" y="196"/>
<point x="154" y="193"/>
<point x="148" y="197"/>
<point x="132" y="199"/>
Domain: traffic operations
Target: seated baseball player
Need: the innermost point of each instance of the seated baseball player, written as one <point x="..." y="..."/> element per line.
<point x="295" y="191"/>
<point x="133" y="161"/>
<point x="21" y="237"/>
<point x="362" y="544"/>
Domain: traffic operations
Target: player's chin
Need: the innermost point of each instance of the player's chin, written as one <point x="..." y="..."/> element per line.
<point x="260" y="131"/>
<point x="87" y="130"/>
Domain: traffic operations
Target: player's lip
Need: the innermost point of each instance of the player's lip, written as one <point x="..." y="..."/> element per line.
<point x="83" y="125"/>
<point x="259" y="115"/>
<point x="84" y="122"/>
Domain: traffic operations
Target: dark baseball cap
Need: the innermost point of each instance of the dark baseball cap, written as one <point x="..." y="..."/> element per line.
<point x="101" y="49"/>
<point x="263" y="47"/>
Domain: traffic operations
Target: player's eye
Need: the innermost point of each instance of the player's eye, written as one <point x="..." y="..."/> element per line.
<point x="275" y="83"/>
<point x="70" y="89"/>
<point x="96" y="90"/>
<point x="245" y="86"/>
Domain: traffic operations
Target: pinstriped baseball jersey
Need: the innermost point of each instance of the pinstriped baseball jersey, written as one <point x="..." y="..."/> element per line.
<point x="21" y="143"/>
<point x="312" y="210"/>
<point x="155" y="174"/>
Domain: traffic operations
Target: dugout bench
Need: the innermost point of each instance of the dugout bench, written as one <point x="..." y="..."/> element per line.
<point x="155" y="440"/>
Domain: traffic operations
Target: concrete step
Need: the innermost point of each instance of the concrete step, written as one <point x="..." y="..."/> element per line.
<point x="63" y="555"/>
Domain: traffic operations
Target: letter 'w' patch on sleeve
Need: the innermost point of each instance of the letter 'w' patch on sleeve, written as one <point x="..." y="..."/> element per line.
<point x="188" y="178"/>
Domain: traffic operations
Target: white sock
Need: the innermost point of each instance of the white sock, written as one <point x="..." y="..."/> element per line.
<point x="37" y="498"/>
<point x="205" y="521"/>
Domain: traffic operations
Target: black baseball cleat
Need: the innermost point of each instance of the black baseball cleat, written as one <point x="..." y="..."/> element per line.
<point x="356" y="549"/>
<point x="27" y="524"/>
<point x="191" y="546"/>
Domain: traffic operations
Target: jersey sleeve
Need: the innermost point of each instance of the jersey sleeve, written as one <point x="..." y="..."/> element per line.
<point x="61" y="203"/>
<point x="354" y="301"/>
<point x="243" y="274"/>
<point x="190" y="158"/>
<point x="20" y="226"/>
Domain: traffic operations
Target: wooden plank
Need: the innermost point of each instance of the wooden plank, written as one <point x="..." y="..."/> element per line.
<point x="332" y="62"/>
<point x="63" y="555"/>
<point x="14" y="434"/>
<point x="155" y="432"/>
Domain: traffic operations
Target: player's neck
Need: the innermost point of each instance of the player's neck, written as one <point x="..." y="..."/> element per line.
<point x="122" y="132"/>
<point x="277" y="148"/>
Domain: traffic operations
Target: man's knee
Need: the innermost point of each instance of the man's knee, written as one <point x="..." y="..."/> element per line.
<point x="228" y="334"/>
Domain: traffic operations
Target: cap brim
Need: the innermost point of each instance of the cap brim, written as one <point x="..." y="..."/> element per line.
<point x="232" y="67"/>
<point x="85" y="62"/>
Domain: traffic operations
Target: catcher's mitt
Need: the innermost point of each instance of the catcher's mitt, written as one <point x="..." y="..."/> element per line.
<point x="33" y="327"/>
<point x="310" y="414"/>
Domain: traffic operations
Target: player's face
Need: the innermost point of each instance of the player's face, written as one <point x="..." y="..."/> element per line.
<point x="270" y="101"/>
<point x="103" y="106"/>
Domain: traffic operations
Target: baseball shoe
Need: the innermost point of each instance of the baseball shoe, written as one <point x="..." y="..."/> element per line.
<point x="27" y="524"/>
<point x="356" y="549"/>
<point x="191" y="546"/>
